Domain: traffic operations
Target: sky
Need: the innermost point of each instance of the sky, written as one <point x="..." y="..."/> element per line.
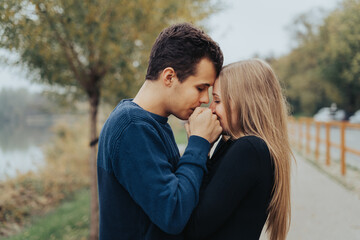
<point x="248" y="27"/>
<point x="242" y="29"/>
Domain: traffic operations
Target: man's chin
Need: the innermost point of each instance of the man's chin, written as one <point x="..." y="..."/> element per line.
<point x="183" y="117"/>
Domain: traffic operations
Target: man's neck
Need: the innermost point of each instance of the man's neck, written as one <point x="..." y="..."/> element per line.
<point x="151" y="98"/>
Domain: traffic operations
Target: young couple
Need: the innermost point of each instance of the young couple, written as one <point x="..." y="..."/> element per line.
<point x="148" y="191"/>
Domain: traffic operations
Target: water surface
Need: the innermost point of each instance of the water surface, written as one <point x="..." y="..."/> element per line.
<point x="22" y="148"/>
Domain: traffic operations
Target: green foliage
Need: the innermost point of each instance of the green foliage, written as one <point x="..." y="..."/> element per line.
<point x="340" y="52"/>
<point x="70" y="221"/>
<point x="90" y="46"/>
<point x="324" y="67"/>
<point x="306" y="89"/>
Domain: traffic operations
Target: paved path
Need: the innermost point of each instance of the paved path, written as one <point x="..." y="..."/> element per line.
<point x="321" y="207"/>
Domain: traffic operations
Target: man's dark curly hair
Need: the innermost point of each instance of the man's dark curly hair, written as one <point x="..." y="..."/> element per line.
<point x="182" y="46"/>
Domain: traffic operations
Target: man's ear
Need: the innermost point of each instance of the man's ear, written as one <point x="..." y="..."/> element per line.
<point x="168" y="76"/>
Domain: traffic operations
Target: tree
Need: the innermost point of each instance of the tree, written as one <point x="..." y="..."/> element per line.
<point x="340" y="47"/>
<point x="324" y="66"/>
<point x="96" y="48"/>
<point x="307" y="90"/>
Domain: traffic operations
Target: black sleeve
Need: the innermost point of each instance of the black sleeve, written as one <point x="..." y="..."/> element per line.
<point x="235" y="176"/>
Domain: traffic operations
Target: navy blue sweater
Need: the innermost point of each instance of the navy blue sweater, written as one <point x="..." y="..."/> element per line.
<point x="146" y="191"/>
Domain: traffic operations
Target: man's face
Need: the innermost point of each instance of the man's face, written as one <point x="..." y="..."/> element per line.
<point x="193" y="91"/>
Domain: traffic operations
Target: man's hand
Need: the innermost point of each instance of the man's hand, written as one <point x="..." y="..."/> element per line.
<point x="204" y="123"/>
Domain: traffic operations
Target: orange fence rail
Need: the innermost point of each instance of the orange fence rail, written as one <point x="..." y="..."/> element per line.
<point x="297" y="137"/>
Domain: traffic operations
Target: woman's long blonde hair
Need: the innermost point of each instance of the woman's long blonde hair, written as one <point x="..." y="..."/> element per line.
<point x="252" y="92"/>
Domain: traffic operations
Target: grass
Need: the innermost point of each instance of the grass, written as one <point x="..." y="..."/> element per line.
<point x="179" y="130"/>
<point x="34" y="194"/>
<point x="69" y="221"/>
<point x="181" y="136"/>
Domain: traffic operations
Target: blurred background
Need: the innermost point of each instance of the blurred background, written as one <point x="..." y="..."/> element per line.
<point x="65" y="64"/>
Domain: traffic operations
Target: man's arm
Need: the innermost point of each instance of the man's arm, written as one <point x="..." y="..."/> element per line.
<point x="141" y="166"/>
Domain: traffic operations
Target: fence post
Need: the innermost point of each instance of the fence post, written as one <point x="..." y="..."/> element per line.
<point x="317" y="138"/>
<point x="307" y="137"/>
<point x="342" y="144"/>
<point x="327" y="143"/>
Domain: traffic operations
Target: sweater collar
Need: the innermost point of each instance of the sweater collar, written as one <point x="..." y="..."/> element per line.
<point x="158" y="118"/>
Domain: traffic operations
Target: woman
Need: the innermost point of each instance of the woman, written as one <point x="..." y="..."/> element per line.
<point x="248" y="179"/>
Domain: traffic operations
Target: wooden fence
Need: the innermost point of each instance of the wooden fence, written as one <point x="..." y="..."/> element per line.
<point x="298" y="136"/>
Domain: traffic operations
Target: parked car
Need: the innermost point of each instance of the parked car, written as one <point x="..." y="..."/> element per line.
<point x="355" y="118"/>
<point x="340" y="115"/>
<point x="323" y="115"/>
<point x="327" y="114"/>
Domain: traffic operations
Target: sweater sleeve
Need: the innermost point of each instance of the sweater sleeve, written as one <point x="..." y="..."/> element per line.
<point x="167" y="194"/>
<point x="234" y="178"/>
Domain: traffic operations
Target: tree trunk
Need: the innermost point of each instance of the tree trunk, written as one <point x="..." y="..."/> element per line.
<point x="94" y="219"/>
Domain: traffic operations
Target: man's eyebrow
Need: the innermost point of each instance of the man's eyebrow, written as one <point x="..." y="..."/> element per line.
<point x="205" y="84"/>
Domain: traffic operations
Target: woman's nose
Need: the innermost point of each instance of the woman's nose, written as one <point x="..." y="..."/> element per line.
<point x="212" y="107"/>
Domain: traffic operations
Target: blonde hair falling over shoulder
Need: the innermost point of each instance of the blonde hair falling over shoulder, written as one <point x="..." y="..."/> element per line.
<point x="252" y="92"/>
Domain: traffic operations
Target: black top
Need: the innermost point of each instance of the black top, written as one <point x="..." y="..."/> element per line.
<point x="236" y="192"/>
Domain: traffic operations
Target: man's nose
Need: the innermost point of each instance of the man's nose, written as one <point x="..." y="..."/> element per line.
<point x="205" y="97"/>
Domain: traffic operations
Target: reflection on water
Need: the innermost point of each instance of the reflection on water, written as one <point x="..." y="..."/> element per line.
<point x="20" y="161"/>
<point x="20" y="148"/>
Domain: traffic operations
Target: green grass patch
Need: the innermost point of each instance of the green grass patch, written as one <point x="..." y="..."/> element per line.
<point x="179" y="130"/>
<point x="181" y="136"/>
<point x="69" y="221"/>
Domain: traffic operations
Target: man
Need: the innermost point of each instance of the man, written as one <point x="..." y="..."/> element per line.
<point x="146" y="191"/>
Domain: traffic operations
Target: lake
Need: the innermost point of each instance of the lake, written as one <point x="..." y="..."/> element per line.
<point x="21" y="148"/>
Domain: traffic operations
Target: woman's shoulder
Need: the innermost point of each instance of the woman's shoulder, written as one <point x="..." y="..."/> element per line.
<point x="250" y="140"/>
<point x="252" y="143"/>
